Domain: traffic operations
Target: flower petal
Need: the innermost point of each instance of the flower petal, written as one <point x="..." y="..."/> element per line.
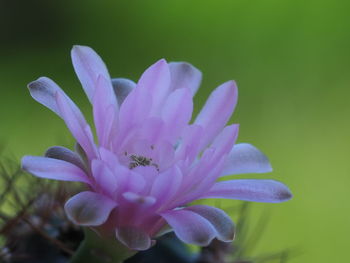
<point x="184" y="75"/>
<point x="104" y="177"/>
<point x="105" y="110"/>
<point x="53" y="169"/>
<point x="129" y="181"/>
<point x="122" y="87"/>
<point x="134" y="110"/>
<point x="77" y="124"/>
<point x="245" y="158"/>
<point x="88" y="65"/>
<point x="166" y="185"/>
<point x="218" y="218"/>
<point x="188" y="148"/>
<point x="48" y="93"/>
<point x="44" y="90"/>
<point x="151" y="131"/>
<point x="64" y="154"/>
<point x="133" y="238"/>
<point x="109" y="158"/>
<point x="217" y="111"/>
<point x="269" y="191"/>
<point x="224" y="142"/>
<point x="156" y="79"/>
<point x="144" y="201"/>
<point x="205" y="179"/>
<point x="177" y="112"/>
<point x="89" y="208"/>
<point x="190" y="227"/>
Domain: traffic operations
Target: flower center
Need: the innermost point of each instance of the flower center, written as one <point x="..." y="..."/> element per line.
<point x="138" y="160"/>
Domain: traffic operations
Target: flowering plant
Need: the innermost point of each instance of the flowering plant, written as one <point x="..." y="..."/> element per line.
<point x="150" y="161"/>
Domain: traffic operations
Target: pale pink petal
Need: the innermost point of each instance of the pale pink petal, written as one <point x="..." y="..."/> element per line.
<point x="217" y="111"/>
<point x="190" y="227"/>
<point x="219" y="219"/>
<point x="88" y="66"/>
<point x="122" y="87"/>
<point x="140" y="147"/>
<point x="105" y="111"/>
<point x="89" y="208"/>
<point x="134" y="110"/>
<point x="64" y="154"/>
<point x="206" y="178"/>
<point x="152" y="130"/>
<point x="269" y="191"/>
<point x="46" y="92"/>
<point x="109" y="158"/>
<point x="177" y="112"/>
<point x="184" y="75"/>
<point x="140" y="200"/>
<point x="133" y="238"/>
<point x="165" y="154"/>
<point x="199" y="170"/>
<point x="188" y="148"/>
<point x="166" y="185"/>
<point x="53" y="169"/>
<point x="129" y="181"/>
<point x="105" y="179"/>
<point x="149" y="174"/>
<point x="77" y="124"/>
<point x="156" y="79"/>
<point x="224" y="142"/>
<point x="43" y="90"/>
<point x="245" y="158"/>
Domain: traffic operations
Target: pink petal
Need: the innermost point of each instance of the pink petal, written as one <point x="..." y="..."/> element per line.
<point x="134" y="110"/>
<point x="189" y="146"/>
<point x="206" y="178"/>
<point x="152" y="130"/>
<point x="77" y="124"/>
<point x="43" y="90"/>
<point x="133" y="238"/>
<point x="225" y="140"/>
<point x="184" y="75"/>
<point x="64" y="154"/>
<point x="89" y="208"/>
<point x="245" y="158"/>
<point x="109" y="158"/>
<point x="217" y="111"/>
<point x="156" y="79"/>
<point x="166" y="185"/>
<point x="190" y="227"/>
<point x="105" y="111"/>
<point x="268" y="191"/>
<point x="148" y="173"/>
<point x="129" y="181"/>
<point x="88" y="66"/>
<point x="199" y="171"/>
<point x="219" y="219"/>
<point x="165" y="154"/>
<point x="140" y="200"/>
<point x="104" y="177"/>
<point x="122" y="87"/>
<point x="53" y="169"/>
<point x="177" y="112"/>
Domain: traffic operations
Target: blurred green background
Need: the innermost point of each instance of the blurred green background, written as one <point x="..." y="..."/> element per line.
<point x="291" y="60"/>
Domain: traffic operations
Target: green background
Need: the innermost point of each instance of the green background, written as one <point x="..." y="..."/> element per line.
<point x="291" y="61"/>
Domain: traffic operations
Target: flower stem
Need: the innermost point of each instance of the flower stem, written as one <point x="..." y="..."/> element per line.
<point x="94" y="249"/>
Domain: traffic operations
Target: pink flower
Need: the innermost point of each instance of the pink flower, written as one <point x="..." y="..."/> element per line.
<point x="150" y="162"/>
